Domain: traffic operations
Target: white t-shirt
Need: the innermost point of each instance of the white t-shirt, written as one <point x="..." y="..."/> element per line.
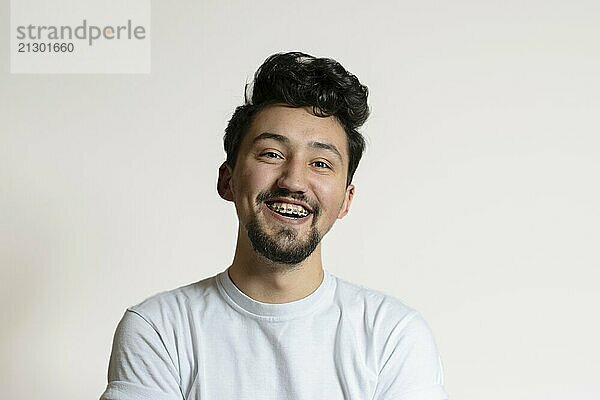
<point x="209" y="341"/>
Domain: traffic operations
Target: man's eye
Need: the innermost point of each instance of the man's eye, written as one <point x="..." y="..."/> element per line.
<point x="271" y="154"/>
<point x="321" y="164"/>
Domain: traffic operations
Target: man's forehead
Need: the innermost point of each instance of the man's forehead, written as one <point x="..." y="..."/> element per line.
<point x="297" y="125"/>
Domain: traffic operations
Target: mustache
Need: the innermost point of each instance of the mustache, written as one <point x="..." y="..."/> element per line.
<point x="273" y="194"/>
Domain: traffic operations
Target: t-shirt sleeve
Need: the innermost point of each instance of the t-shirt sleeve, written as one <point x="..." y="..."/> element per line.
<point x="410" y="367"/>
<point x="140" y="366"/>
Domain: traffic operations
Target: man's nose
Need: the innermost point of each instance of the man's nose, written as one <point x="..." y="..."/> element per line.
<point x="293" y="177"/>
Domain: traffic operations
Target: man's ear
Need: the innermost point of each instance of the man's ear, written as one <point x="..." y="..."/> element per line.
<point x="224" y="182"/>
<point x="347" y="201"/>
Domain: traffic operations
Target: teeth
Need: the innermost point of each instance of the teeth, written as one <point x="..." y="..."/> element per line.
<point x="291" y="209"/>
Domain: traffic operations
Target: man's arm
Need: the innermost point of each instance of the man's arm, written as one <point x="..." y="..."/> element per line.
<point x="410" y="367"/>
<point x="140" y="366"/>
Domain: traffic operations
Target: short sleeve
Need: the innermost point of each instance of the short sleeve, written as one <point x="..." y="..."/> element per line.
<point x="140" y="366"/>
<point x="410" y="367"/>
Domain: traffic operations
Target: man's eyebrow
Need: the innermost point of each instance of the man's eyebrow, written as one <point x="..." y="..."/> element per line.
<point x="284" y="139"/>
<point x="270" y="135"/>
<point x="328" y="147"/>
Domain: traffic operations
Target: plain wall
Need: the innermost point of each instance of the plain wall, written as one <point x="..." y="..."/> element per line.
<point x="477" y="200"/>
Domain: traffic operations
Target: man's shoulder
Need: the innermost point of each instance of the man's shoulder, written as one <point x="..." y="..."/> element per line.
<point x="373" y="304"/>
<point x="178" y="301"/>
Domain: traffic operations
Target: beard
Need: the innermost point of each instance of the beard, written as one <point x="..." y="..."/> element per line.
<point x="284" y="246"/>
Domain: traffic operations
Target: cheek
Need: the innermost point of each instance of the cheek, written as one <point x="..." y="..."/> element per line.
<point x="331" y="199"/>
<point x="250" y="184"/>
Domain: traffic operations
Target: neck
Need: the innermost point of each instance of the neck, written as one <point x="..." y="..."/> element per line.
<point x="269" y="282"/>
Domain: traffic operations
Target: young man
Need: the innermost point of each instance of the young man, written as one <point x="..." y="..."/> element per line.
<point x="275" y="324"/>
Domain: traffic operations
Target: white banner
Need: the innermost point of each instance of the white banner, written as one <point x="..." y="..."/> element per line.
<point x="80" y="36"/>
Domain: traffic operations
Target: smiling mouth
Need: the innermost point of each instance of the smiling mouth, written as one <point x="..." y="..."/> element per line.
<point x="288" y="210"/>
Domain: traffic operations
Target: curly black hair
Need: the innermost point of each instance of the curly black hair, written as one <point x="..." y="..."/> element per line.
<point x="301" y="80"/>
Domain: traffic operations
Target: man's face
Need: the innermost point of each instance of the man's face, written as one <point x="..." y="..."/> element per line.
<point x="289" y="181"/>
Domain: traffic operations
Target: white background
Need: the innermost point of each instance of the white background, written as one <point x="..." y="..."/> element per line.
<point x="477" y="200"/>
